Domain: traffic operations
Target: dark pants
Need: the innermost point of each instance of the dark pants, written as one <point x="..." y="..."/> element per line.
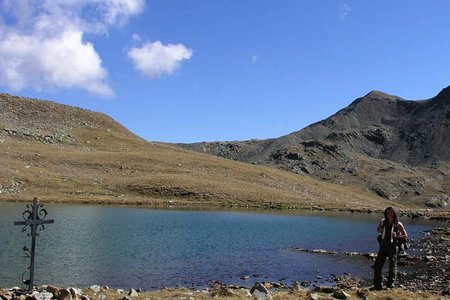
<point x="386" y="251"/>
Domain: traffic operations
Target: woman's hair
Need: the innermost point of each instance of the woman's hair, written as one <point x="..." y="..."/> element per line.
<point x="386" y="217"/>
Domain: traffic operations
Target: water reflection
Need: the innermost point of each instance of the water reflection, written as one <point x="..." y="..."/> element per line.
<point x="146" y="248"/>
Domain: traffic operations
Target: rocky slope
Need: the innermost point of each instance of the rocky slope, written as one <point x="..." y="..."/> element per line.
<point x="383" y="144"/>
<point x="67" y="154"/>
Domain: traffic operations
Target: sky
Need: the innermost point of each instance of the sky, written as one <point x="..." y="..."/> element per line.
<point x="188" y="71"/>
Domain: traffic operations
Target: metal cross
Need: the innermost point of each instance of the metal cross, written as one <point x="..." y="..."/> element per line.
<point x="33" y="218"/>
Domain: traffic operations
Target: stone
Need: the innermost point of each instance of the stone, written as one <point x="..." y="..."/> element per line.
<point x="313" y="296"/>
<point x="260" y="292"/>
<point x="223" y="292"/>
<point x="64" y="295"/>
<point x="430" y="258"/>
<point x="324" y="289"/>
<point x="295" y="286"/>
<point x="132" y="293"/>
<point x="362" y="293"/>
<point x="54" y="290"/>
<point x="245" y="277"/>
<point x="83" y="297"/>
<point x="44" y="296"/>
<point x="95" y="288"/>
<point x="126" y="298"/>
<point x="75" y="292"/>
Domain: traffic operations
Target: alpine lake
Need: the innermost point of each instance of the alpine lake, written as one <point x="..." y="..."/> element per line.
<point x="131" y="247"/>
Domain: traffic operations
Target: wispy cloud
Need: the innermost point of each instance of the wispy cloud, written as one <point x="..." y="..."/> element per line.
<point x="344" y="10"/>
<point x="254" y="58"/>
<point x="43" y="42"/>
<point x="155" y="59"/>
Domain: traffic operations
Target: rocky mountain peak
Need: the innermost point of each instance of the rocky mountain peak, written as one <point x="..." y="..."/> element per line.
<point x="394" y="147"/>
<point x="380" y="95"/>
<point x="444" y="95"/>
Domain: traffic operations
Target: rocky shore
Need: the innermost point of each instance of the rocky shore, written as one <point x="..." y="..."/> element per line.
<point x="426" y="277"/>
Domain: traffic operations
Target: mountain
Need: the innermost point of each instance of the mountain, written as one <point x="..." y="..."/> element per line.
<point x="62" y="153"/>
<point x="383" y="144"/>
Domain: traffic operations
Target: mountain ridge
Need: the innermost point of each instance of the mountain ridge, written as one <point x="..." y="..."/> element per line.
<point x="65" y="154"/>
<point x="375" y="132"/>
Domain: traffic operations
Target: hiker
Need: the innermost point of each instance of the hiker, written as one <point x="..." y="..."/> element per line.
<point x="390" y="233"/>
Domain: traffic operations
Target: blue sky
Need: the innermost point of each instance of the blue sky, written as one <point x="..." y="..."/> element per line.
<point x="221" y="70"/>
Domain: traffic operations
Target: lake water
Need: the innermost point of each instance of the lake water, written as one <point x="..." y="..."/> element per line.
<point x="126" y="247"/>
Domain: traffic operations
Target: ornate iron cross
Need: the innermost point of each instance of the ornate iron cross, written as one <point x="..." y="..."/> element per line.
<point x="34" y="218"/>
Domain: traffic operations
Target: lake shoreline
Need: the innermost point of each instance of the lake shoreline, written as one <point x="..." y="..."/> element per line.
<point x="413" y="213"/>
<point x="427" y="278"/>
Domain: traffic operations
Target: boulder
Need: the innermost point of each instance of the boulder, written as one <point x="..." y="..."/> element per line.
<point x="260" y="292"/>
<point x="132" y="293"/>
<point x="44" y="296"/>
<point x="65" y="295"/>
<point x="54" y="290"/>
<point x="95" y="288"/>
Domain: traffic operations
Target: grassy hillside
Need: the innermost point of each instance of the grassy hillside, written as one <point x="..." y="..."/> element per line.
<point x="96" y="160"/>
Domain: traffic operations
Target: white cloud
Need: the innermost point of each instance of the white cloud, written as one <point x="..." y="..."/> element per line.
<point x="42" y="42"/>
<point x="156" y="59"/>
<point x="254" y="58"/>
<point x="344" y="10"/>
<point x="63" y="61"/>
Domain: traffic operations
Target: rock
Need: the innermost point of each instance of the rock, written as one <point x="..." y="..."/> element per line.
<point x="295" y="286"/>
<point x="95" y="288"/>
<point x="75" y="292"/>
<point x="83" y="297"/>
<point x="371" y="256"/>
<point x="324" y="289"/>
<point x="340" y="294"/>
<point x="268" y="285"/>
<point x="362" y="293"/>
<point x="245" y="277"/>
<point x="277" y="285"/>
<point x="44" y="296"/>
<point x="132" y="293"/>
<point x="260" y="292"/>
<point x="223" y="292"/>
<point x="64" y="295"/>
<point x="126" y="298"/>
<point x="313" y="296"/>
<point x="54" y="290"/>
<point x="430" y="258"/>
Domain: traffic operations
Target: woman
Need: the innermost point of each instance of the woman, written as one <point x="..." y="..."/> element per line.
<point x="390" y="231"/>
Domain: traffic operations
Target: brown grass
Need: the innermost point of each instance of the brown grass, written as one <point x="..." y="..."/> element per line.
<point x="112" y="168"/>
